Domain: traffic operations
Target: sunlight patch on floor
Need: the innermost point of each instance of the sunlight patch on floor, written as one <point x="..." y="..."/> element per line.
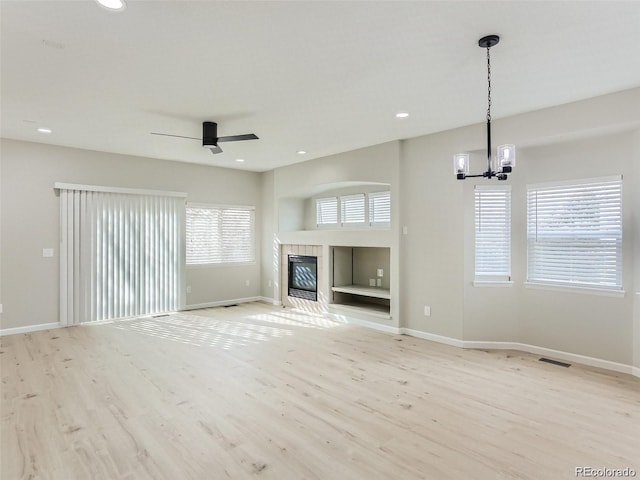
<point x="204" y="331"/>
<point x="297" y="319"/>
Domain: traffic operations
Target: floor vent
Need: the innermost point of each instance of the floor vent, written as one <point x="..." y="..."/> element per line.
<point x="554" y="362"/>
<point x="161" y="315"/>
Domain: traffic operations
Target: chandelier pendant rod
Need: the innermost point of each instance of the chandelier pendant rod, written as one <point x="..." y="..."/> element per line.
<point x="489" y="172"/>
<point x="505" y="158"/>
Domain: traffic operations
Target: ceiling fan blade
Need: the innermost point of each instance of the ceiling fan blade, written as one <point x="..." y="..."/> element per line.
<point x="169" y="135"/>
<point x="214" y="149"/>
<point x="237" y="138"/>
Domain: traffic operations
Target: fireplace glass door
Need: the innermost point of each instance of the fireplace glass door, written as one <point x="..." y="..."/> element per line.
<point x="303" y="277"/>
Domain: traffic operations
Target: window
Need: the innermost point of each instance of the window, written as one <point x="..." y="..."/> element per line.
<point x="380" y="208"/>
<point x="327" y="211"/>
<point x="574" y="233"/>
<point x="220" y="234"/>
<point x="493" y="233"/>
<point x="352" y="208"/>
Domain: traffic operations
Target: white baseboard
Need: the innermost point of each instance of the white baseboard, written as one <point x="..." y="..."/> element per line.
<point x="523" y="347"/>
<point x="454" y="342"/>
<point x="366" y="323"/>
<point x="29" y="329"/>
<point x="574" y="357"/>
<point x="221" y="303"/>
<point x="270" y="301"/>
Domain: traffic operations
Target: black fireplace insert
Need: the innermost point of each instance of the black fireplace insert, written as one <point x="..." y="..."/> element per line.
<point x="303" y="277"/>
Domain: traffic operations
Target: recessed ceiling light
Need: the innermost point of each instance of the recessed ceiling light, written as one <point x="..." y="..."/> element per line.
<point x="239" y="160"/>
<point x="112" y="4"/>
<point x="402" y="115"/>
<point x="301" y="152"/>
<point x="44" y="130"/>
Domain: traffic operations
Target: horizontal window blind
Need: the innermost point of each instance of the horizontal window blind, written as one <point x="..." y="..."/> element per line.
<point x="380" y="207"/>
<point x="327" y="211"/>
<point x="352" y="208"/>
<point x="574" y="233"/>
<point x="217" y="234"/>
<point x="493" y="233"/>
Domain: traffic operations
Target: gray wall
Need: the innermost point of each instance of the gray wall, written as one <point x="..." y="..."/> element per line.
<point x="636" y="252"/>
<point x="592" y="138"/>
<point x="294" y="186"/>
<point x="433" y="263"/>
<point x="30" y="220"/>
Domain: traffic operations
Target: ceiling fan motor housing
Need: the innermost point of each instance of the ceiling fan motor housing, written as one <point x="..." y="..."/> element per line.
<point x="209" y="134"/>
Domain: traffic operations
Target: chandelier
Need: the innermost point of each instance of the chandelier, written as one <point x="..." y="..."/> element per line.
<point x="505" y="160"/>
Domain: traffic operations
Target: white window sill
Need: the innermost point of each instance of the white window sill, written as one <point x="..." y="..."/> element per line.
<point x="569" y="289"/>
<point x="493" y="283"/>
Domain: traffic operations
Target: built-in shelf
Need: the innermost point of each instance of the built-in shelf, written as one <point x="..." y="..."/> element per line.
<point x="354" y="269"/>
<point x="369" y="309"/>
<point x="362" y="290"/>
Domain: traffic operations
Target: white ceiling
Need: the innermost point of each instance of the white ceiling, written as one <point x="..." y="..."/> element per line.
<point x="322" y="76"/>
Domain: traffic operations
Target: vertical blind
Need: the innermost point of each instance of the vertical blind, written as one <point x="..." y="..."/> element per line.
<point x="121" y="254"/>
<point x="220" y="234"/>
<point x="352" y="208"/>
<point x="574" y="233"/>
<point x="327" y="211"/>
<point x="380" y="208"/>
<point x="493" y="233"/>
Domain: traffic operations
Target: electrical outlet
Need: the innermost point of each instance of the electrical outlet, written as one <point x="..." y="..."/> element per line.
<point x="380" y="272"/>
<point x="379" y="282"/>
<point x="247" y="283"/>
<point x="47" y="252"/>
<point x="372" y="282"/>
<point x="188" y="288"/>
<point x="427" y="311"/>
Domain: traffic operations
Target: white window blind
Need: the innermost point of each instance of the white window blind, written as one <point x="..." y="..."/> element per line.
<point x="121" y="253"/>
<point x="327" y="211"/>
<point x="493" y="233"/>
<point x="574" y="233"/>
<point x="380" y="208"/>
<point x="220" y="234"/>
<point x="352" y="208"/>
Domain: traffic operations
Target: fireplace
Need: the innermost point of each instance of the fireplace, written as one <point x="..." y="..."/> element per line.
<point x="303" y="277"/>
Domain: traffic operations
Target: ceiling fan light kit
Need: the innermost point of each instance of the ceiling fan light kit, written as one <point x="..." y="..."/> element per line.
<point x="505" y="159"/>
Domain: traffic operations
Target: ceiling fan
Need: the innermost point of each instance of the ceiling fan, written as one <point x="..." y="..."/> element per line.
<point x="210" y="137"/>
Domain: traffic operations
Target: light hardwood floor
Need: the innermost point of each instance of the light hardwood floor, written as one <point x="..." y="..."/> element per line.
<point x="255" y="391"/>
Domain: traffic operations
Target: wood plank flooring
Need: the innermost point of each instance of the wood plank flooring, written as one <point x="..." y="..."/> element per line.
<point x="255" y="391"/>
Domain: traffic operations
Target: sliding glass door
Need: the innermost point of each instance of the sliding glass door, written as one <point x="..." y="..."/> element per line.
<point x="122" y="253"/>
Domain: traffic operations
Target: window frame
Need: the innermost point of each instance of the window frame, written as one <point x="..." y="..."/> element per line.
<point x="251" y="258"/>
<point x="502" y="278"/>
<point x="371" y="196"/>
<point x="366" y="223"/>
<point x="344" y="211"/>
<point x="615" y="217"/>
<point x="321" y="200"/>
